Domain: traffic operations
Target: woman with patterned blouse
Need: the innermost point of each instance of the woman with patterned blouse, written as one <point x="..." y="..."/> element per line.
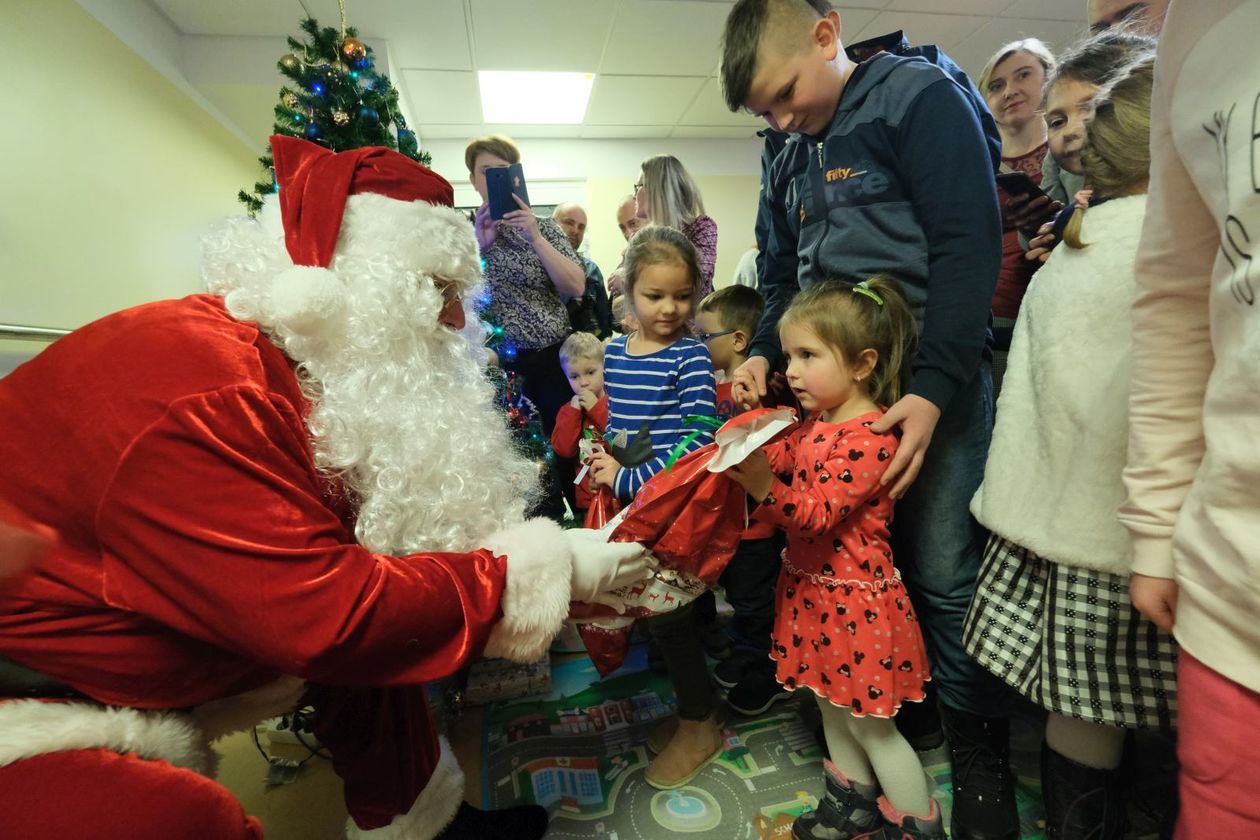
<point x="531" y="270"/>
<point x="666" y="194"/>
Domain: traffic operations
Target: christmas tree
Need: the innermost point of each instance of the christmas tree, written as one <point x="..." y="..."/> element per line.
<point x="337" y="100"/>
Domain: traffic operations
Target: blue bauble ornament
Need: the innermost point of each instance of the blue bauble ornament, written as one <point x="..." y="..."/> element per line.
<point x="366" y="113"/>
<point x="312" y="130"/>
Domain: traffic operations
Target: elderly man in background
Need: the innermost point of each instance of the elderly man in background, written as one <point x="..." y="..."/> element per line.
<point x="591" y="312"/>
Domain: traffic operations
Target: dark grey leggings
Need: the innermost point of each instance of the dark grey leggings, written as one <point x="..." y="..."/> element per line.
<point x="679" y="643"/>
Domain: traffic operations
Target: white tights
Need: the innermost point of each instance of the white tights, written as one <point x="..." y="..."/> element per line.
<point x="868" y="748"/>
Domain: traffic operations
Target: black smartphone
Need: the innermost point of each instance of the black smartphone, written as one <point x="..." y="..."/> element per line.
<point x="1016" y="183"/>
<point x="503" y="182"/>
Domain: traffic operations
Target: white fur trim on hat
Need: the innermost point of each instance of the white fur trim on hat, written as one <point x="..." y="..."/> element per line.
<point x="536" y="599"/>
<point x="34" y="727"/>
<point x="304" y="296"/>
<point x="432" y="811"/>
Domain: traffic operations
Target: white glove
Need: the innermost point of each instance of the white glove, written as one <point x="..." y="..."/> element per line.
<point x="600" y="567"/>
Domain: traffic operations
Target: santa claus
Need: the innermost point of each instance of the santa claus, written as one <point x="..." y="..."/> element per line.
<point x="295" y="487"/>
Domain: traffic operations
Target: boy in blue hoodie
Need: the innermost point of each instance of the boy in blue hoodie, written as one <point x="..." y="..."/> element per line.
<point x="888" y="171"/>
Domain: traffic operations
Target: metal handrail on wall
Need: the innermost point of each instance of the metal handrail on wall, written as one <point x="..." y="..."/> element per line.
<point x="31" y="333"/>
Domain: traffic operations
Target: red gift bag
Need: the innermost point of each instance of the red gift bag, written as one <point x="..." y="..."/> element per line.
<point x="691" y="516"/>
<point x="604" y="506"/>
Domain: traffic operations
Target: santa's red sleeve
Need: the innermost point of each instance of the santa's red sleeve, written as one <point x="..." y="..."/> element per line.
<point x="567" y="431"/>
<point x="214" y="525"/>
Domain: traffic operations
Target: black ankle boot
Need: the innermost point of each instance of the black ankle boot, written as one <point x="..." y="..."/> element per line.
<point x="1082" y="803"/>
<point x="984" y="789"/>
<point x="524" y="822"/>
<point x="848" y="809"/>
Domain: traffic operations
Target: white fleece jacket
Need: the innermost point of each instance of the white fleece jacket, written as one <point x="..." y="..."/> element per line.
<point x="1052" y="483"/>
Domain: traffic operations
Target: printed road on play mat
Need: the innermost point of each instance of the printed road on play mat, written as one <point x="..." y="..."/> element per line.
<point x="580" y="752"/>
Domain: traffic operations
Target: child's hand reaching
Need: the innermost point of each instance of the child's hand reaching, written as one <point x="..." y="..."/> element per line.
<point x="754" y="474"/>
<point x="603" y="469"/>
<point x="586" y="400"/>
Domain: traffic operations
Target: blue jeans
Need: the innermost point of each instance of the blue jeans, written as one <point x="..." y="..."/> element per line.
<point x="938" y="546"/>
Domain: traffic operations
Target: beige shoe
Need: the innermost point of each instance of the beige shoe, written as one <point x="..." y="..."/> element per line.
<point x="693" y="746"/>
<point x="660" y="737"/>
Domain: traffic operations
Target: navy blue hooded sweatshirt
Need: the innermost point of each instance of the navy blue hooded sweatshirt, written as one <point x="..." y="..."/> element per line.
<point x="901" y="184"/>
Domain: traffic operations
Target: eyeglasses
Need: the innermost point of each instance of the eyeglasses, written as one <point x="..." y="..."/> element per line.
<point x="638" y="185"/>
<point x="450" y="290"/>
<point x="706" y="337"/>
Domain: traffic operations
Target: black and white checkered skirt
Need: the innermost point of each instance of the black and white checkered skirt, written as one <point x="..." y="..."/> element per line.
<point x="1069" y="640"/>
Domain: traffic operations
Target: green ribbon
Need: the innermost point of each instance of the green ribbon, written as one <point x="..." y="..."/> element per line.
<point x="706" y="422"/>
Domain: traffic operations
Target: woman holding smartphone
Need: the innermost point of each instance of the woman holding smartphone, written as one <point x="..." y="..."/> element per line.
<point x="531" y="270"/>
<point x="1011" y="84"/>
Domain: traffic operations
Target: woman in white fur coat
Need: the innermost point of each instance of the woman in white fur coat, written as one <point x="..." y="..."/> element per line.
<point x="1051" y="615"/>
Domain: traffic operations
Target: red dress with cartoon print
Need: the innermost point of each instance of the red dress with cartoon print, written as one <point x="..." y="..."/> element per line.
<point x="843" y="623"/>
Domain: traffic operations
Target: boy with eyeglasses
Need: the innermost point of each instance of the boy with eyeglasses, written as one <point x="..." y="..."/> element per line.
<point x="726" y="321"/>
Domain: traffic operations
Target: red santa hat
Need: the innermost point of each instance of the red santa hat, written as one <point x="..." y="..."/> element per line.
<point x="315" y="184"/>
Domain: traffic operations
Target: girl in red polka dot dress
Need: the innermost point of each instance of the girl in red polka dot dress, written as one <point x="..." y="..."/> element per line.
<point x="844" y="626"/>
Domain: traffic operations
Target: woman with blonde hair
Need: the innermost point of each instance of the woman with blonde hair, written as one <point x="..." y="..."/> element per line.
<point x="1011" y="84"/>
<point x="666" y="194"/>
<point x="1051" y="616"/>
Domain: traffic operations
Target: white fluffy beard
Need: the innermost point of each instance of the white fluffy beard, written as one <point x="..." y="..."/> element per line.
<point x="401" y="410"/>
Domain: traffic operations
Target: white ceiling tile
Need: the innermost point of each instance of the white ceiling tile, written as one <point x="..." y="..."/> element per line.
<point x="437" y="131"/>
<point x="541" y="34"/>
<point x="710" y="109"/>
<point x="425" y="34"/>
<point x="623" y="132"/>
<point x="517" y="131"/>
<point x="954" y="7"/>
<point x="687" y="46"/>
<point x="715" y="132"/>
<point x="940" y="29"/>
<point x="624" y="100"/>
<point x="443" y="96"/>
<point x="1073" y="10"/>
<point x="197" y="17"/>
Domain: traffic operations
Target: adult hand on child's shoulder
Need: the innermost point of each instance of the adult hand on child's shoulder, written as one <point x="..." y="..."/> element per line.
<point x="1155" y="598"/>
<point x="917" y="418"/>
<point x="748" y="383"/>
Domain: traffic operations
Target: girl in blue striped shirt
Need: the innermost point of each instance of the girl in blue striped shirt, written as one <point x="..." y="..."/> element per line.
<point x="658" y="375"/>
<point x="655" y="377"/>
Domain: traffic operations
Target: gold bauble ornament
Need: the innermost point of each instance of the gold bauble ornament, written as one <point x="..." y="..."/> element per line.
<point x="341" y="117"/>
<point x="290" y="100"/>
<point x="353" y="49"/>
<point x="289" y="62"/>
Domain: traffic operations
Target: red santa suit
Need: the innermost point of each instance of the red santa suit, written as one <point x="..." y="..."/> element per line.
<point x="202" y="555"/>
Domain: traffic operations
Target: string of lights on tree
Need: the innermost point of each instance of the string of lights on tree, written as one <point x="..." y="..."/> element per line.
<point x="337" y="100"/>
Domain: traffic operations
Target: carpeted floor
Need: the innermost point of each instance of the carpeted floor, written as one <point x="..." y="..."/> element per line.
<point x="579" y="751"/>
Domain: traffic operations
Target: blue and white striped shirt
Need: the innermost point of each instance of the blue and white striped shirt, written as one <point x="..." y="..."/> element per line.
<point x="656" y="390"/>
